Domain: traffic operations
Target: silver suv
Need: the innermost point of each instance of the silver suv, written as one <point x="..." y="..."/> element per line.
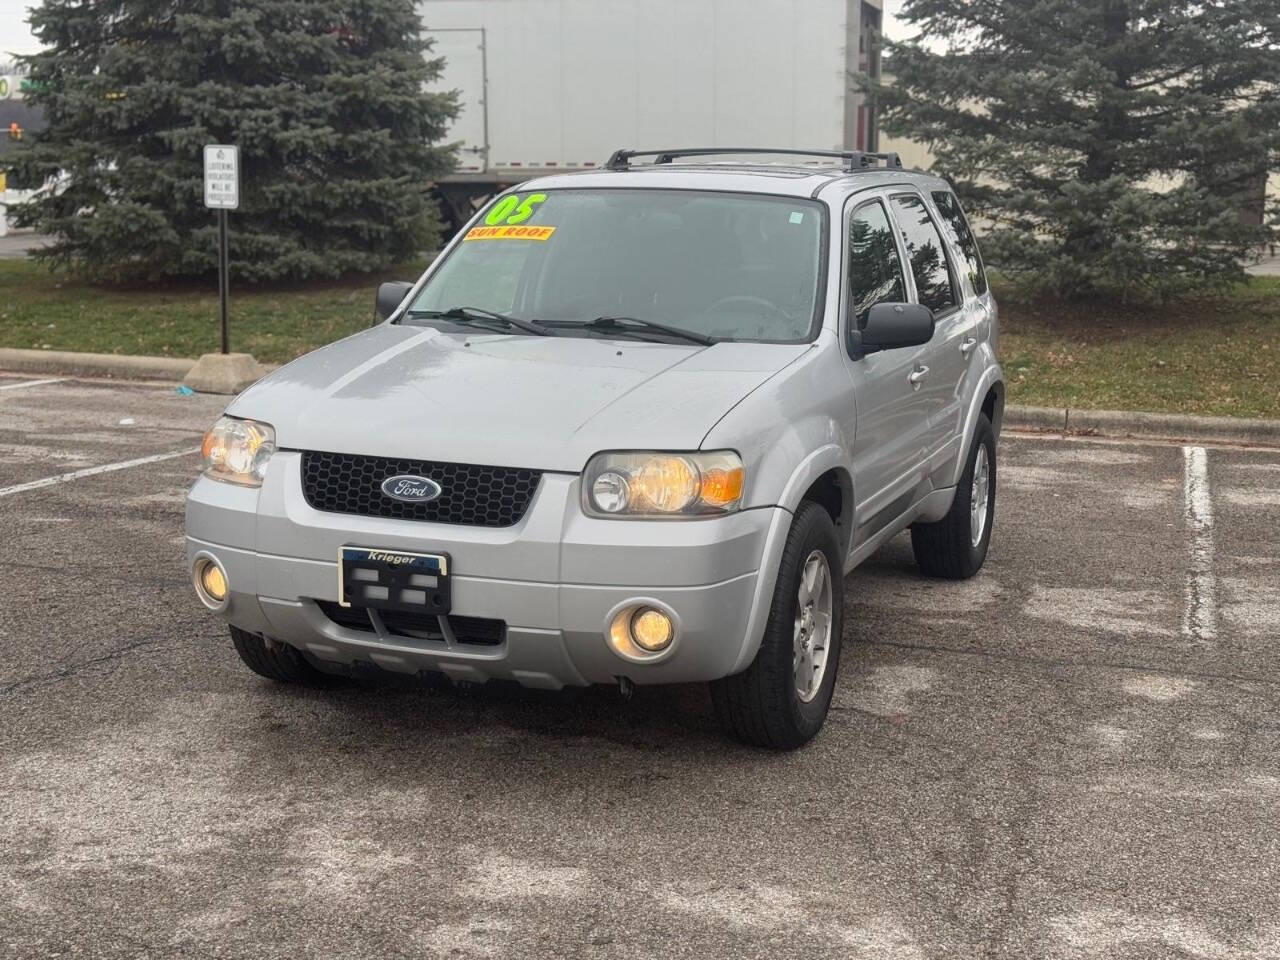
<point x="633" y="425"/>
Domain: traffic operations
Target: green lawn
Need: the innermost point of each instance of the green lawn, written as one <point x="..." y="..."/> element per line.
<point x="51" y="311"/>
<point x="1218" y="355"/>
<point x="1209" y="355"/>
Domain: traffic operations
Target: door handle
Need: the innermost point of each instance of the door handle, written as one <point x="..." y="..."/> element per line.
<point x="967" y="345"/>
<point x="917" y="375"/>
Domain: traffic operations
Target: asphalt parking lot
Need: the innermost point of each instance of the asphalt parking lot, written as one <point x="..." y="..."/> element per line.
<point x="1076" y="754"/>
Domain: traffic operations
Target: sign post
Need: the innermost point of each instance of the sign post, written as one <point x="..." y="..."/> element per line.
<point x="222" y="193"/>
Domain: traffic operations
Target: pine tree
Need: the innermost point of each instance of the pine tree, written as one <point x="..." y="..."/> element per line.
<point x="1110" y="145"/>
<point x="325" y="98"/>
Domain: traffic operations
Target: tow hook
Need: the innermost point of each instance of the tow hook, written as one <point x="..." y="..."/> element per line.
<point x="626" y="687"/>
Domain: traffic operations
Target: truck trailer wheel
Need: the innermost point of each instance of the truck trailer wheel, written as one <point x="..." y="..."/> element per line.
<point x="781" y="700"/>
<point x="955" y="547"/>
<point x="275" y="660"/>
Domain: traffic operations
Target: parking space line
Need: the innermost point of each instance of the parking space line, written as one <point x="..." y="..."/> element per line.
<point x="93" y="471"/>
<point x="33" y="383"/>
<point x="1199" y="619"/>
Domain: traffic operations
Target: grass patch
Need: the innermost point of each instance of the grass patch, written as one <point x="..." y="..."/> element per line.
<point x="1216" y="354"/>
<point x="40" y="310"/>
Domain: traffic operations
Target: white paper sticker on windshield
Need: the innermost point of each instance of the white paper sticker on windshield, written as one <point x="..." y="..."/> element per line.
<point x="797" y="216"/>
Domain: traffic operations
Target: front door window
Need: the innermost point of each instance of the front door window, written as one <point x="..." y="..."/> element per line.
<point x="875" y="272"/>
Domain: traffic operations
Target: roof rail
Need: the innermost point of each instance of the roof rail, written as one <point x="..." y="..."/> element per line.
<point x="854" y="160"/>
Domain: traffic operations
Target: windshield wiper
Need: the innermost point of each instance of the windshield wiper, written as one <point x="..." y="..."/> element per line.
<point x="635" y="326"/>
<point x="474" y="314"/>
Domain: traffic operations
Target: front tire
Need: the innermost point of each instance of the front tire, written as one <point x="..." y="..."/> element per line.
<point x="781" y="700"/>
<point x="275" y="660"/>
<point x="955" y="547"/>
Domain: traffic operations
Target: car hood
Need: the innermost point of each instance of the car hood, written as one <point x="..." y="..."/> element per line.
<point x="546" y="403"/>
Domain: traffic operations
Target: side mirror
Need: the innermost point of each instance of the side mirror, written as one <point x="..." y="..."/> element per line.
<point x="890" y="326"/>
<point x="390" y="295"/>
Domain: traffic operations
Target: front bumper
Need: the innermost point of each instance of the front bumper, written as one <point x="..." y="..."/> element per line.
<point x="553" y="578"/>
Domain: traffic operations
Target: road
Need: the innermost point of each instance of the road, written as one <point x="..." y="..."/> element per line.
<point x="1076" y="754"/>
<point x="18" y="243"/>
<point x="1267" y="265"/>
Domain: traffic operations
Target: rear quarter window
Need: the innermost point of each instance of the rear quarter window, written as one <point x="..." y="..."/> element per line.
<point x="954" y="218"/>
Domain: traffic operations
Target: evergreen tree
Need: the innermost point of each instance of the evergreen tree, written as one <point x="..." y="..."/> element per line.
<point x="1110" y="145"/>
<point x="325" y="98"/>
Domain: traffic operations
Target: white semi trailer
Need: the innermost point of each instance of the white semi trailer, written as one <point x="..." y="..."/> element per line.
<point x="555" y="85"/>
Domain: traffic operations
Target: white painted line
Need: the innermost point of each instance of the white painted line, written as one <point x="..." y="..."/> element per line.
<point x="1200" y="615"/>
<point x="33" y="383"/>
<point x="94" y="471"/>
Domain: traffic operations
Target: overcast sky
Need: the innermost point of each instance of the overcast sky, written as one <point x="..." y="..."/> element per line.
<point x="15" y="36"/>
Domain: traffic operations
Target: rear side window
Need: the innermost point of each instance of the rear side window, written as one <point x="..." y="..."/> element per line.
<point x="949" y="207"/>
<point x="927" y="255"/>
<point x="875" y="272"/>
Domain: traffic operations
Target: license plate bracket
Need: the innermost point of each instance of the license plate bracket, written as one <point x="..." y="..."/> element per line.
<point x="394" y="580"/>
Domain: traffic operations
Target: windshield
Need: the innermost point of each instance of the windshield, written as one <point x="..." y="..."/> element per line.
<point x="727" y="266"/>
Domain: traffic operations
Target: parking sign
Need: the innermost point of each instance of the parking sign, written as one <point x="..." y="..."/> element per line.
<point x="221" y="176"/>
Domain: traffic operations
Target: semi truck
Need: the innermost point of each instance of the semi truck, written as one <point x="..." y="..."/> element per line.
<point x="546" y="86"/>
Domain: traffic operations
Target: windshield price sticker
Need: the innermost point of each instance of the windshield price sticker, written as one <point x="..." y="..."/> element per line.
<point x="509" y="233"/>
<point x="514" y="209"/>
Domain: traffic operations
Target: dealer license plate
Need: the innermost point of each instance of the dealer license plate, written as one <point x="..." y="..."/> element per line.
<point x="394" y="580"/>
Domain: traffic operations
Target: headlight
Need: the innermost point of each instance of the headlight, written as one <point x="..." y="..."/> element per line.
<point x="662" y="484"/>
<point x="237" y="451"/>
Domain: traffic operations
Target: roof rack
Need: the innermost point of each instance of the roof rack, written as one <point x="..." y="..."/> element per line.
<point x="854" y="160"/>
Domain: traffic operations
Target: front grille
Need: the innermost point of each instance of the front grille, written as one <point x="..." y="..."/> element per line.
<point x="474" y="631"/>
<point x="471" y="494"/>
<point x="480" y="631"/>
<point x="404" y="623"/>
<point x="353" y="618"/>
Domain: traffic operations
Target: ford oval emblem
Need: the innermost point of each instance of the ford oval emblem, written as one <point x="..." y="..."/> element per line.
<point x="409" y="488"/>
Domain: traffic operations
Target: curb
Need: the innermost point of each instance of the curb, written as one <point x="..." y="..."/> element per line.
<point x="225" y="373"/>
<point x="1125" y="423"/>
<point x="94" y="364"/>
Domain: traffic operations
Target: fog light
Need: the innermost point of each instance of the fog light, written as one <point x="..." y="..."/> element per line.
<point x="641" y="631"/>
<point x="214" y="583"/>
<point x="210" y="581"/>
<point x="651" y="629"/>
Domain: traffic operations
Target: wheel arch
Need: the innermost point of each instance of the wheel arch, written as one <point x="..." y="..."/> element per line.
<point x="833" y="491"/>
<point x="825" y="478"/>
<point x="988" y="398"/>
<point x="816" y="478"/>
<point x="993" y="405"/>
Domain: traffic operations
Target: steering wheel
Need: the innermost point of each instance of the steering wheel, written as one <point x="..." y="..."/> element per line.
<point x="756" y="305"/>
